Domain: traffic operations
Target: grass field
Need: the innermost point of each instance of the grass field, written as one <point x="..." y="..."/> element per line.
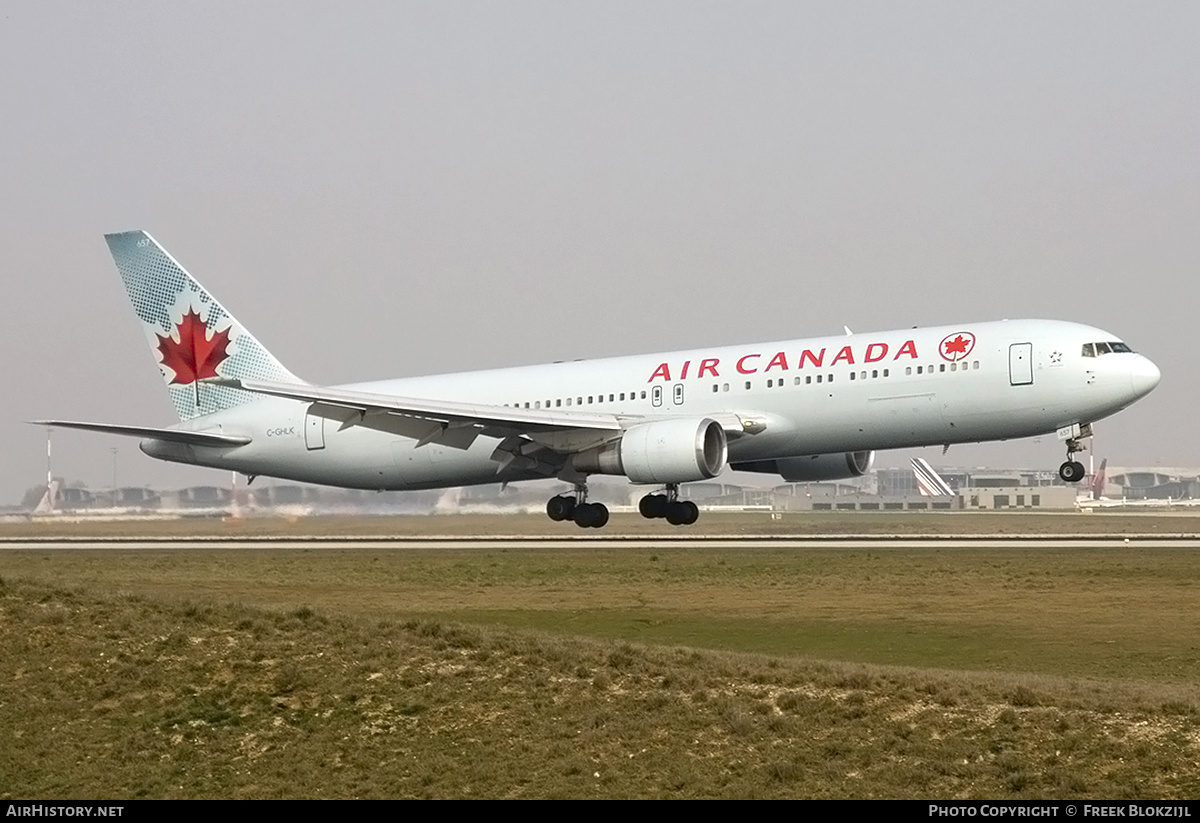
<point x="705" y="672"/>
<point x="1109" y="521"/>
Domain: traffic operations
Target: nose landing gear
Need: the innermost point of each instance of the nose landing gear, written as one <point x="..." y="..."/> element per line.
<point x="1072" y="471"/>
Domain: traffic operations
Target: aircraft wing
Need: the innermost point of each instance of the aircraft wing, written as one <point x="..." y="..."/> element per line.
<point x="191" y="438"/>
<point x="458" y="424"/>
<point x="445" y="422"/>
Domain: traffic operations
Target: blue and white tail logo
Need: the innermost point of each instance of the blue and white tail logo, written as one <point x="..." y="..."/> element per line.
<point x="190" y="333"/>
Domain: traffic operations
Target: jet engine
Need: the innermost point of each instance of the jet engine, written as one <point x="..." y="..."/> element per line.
<point x="814" y="468"/>
<point x="664" y="451"/>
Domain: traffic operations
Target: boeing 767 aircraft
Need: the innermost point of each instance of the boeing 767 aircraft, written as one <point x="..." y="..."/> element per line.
<point x="805" y="410"/>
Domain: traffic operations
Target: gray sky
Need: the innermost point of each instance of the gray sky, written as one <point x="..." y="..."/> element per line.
<point x="387" y="189"/>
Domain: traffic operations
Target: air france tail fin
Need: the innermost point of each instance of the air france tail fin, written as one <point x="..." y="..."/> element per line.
<point x="190" y="334"/>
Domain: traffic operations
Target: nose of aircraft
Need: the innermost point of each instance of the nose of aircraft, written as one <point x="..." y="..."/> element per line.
<point x="1143" y="376"/>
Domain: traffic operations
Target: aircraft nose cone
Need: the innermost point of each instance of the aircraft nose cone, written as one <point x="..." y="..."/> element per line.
<point x="1144" y="376"/>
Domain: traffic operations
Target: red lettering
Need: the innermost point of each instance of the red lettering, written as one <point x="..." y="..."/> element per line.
<point x="909" y="348"/>
<point x="741" y="364"/>
<point x="709" y="365"/>
<point x="686" y="363"/>
<point x="779" y="360"/>
<point x="663" y="371"/>
<point x="844" y="354"/>
<point x="817" y="359"/>
<point x="881" y="348"/>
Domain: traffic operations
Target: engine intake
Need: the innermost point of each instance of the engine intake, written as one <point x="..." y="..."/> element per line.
<point x="664" y="451"/>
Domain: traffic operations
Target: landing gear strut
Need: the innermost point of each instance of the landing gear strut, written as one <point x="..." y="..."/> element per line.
<point x="1073" y="471"/>
<point x="575" y="507"/>
<point x="676" y="512"/>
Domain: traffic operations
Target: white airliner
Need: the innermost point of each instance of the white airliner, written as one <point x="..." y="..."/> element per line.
<point x="805" y="410"/>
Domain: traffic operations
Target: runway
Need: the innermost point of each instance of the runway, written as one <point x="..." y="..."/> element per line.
<point x="597" y="542"/>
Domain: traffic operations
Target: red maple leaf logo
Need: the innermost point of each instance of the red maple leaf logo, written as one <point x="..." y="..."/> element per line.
<point x="957" y="346"/>
<point x="196" y="355"/>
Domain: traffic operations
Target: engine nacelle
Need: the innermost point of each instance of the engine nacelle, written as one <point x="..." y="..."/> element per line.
<point x="813" y="469"/>
<point x="664" y="451"/>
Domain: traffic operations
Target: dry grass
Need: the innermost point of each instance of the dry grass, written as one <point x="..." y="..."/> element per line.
<point x="720" y="523"/>
<point x="124" y="696"/>
<point x="633" y="672"/>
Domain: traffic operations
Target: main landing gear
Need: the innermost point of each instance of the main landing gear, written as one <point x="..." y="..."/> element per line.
<point x="676" y="512"/>
<point x="575" y="507"/>
<point x="1073" y="471"/>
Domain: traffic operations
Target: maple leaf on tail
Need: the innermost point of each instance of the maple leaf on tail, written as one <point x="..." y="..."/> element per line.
<point x="196" y="355"/>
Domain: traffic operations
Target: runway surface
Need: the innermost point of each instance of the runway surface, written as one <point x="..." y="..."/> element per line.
<point x="593" y="541"/>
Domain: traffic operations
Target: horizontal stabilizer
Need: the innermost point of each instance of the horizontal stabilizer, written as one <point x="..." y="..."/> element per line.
<point x="170" y="435"/>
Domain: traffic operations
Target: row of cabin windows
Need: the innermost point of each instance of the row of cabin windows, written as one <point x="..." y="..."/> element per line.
<point x="771" y="383"/>
<point x="591" y="398"/>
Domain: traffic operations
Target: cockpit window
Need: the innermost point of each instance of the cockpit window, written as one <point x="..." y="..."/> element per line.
<point x="1097" y="349"/>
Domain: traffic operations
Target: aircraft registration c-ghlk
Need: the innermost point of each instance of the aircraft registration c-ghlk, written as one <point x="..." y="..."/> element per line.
<point x="806" y="410"/>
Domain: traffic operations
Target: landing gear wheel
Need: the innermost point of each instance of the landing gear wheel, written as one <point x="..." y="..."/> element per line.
<point x="591" y="515"/>
<point x="668" y="506"/>
<point x="653" y="505"/>
<point x="682" y="513"/>
<point x="561" y="507"/>
<point x="1072" y="471"/>
<point x="691" y="512"/>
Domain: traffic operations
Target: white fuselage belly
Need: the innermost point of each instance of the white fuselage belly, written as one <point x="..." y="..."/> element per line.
<point x="1019" y="379"/>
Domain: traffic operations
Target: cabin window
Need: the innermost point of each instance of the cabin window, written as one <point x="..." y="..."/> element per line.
<point x="907" y="371"/>
<point x="558" y="403"/>
<point x="725" y="387"/>
<point x="885" y="372"/>
<point x="568" y="401"/>
<point x="852" y="375"/>
<point x="715" y="388"/>
<point x="920" y="369"/>
<point x="942" y="367"/>
<point x="808" y="380"/>
<point x="747" y="385"/>
<point x="818" y="378"/>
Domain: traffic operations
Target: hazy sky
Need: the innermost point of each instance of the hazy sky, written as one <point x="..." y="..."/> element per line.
<point x="388" y="189"/>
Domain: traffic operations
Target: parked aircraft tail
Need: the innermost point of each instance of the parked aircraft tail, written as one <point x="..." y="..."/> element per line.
<point x="929" y="482"/>
<point x="1100" y="480"/>
<point x="191" y="335"/>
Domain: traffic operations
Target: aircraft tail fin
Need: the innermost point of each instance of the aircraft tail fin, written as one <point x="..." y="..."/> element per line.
<point x="191" y="335"/>
<point x="929" y="482"/>
<point x="1100" y="480"/>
